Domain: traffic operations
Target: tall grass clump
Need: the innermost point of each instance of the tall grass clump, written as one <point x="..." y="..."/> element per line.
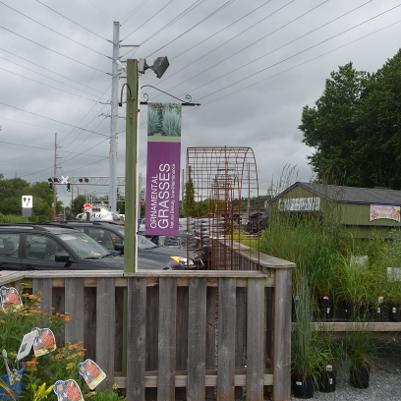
<point x="171" y="121"/>
<point x="154" y="120"/>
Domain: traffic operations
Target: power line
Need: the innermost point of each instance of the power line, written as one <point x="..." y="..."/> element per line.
<point x="309" y="60"/>
<point x="302" y="51"/>
<point x="52" y="50"/>
<point x="53" y="30"/>
<point x="237" y="35"/>
<point x="87" y="164"/>
<point x="212" y="14"/>
<point x="39" y="147"/>
<point x="174" y="20"/>
<point x="146" y="21"/>
<point x="45" y="84"/>
<point x="84" y="151"/>
<point x="134" y="10"/>
<point x="36" y="172"/>
<point x="53" y="119"/>
<point x="251" y="44"/>
<point x="44" y="68"/>
<point x="71" y="21"/>
<point x="221" y="30"/>
<point x="228" y="73"/>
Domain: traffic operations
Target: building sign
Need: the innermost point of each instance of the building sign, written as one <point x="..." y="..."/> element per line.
<point x="384" y="212"/>
<point x="163" y="169"/>
<point x="310" y="204"/>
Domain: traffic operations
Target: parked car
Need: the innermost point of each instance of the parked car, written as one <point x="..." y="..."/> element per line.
<point x="111" y="236"/>
<point x="48" y="247"/>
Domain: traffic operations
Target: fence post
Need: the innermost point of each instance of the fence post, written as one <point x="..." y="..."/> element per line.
<point x="282" y="335"/>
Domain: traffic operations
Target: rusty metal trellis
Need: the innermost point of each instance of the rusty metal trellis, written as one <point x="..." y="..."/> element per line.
<point x="226" y="190"/>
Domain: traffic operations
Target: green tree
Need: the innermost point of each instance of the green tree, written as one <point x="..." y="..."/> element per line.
<point x="355" y="127"/>
<point x="11" y="191"/>
<point x="76" y="205"/>
<point x="189" y="205"/>
<point x="331" y="126"/>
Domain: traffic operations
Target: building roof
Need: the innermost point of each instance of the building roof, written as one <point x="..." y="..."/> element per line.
<point x="343" y="194"/>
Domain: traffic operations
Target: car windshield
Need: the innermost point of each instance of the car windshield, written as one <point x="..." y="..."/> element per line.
<point x="120" y="229"/>
<point x="84" y="246"/>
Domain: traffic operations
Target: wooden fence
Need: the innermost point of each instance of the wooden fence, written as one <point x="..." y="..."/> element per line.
<point x="200" y="335"/>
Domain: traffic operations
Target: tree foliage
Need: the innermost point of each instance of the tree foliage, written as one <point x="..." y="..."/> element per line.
<point x="355" y="127"/>
<point x="11" y="191"/>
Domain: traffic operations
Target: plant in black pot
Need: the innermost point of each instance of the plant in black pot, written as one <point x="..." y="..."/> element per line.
<point x="306" y="357"/>
<point x="355" y="284"/>
<point x="359" y="354"/>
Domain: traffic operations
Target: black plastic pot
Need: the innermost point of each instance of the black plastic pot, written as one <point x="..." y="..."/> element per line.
<point x="394" y="314"/>
<point x="345" y="310"/>
<point x="302" y="387"/>
<point x="359" y="377"/>
<point x="326" y="308"/>
<point x="327" y="383"/>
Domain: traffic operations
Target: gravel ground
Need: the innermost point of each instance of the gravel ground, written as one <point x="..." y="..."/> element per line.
<point x="385" y="383"/>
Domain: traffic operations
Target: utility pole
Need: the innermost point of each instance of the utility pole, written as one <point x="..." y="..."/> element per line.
<point x="54" y="177"/>
<point x="131" y="166"/>
<point x="114" y="117"/>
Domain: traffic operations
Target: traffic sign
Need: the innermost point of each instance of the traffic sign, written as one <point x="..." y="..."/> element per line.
<point x="26" y="201"/>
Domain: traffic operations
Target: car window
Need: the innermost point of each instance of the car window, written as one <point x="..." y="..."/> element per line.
<point x="103" y="237"/>
<point x="9" y="244"/>
<point x="42" y="247"/>
<point x="145" y="243"/>
<point x="84" y="246"/>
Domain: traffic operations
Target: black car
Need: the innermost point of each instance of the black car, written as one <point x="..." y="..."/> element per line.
<point x="48" y="247"/>
<point x="111" y="236"/>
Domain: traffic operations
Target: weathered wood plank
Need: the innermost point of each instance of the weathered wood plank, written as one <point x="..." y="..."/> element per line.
<point x="356" y="326"/>
<point x="136" y="348"/>
<point x="182" y="380"/>
<point x="255" y="340"/>
<point x="241" y="325"/>
<point x="167" y="339"/>
<point x="105" y="327"/>
<point x="182" y="328"/>
<point x="74" y="306"/>
<point x="226" y="340"/>
<point x="45" y="290"/>
<point x="282" y="336"/>
<point x="90" y="321"/>
<point x="196" y="340"/>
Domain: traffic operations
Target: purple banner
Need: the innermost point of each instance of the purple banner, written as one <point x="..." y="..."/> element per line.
<point x="163" y="170"/>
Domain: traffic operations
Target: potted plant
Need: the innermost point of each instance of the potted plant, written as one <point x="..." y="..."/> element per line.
<point x="359" y="351"/>
<point x="306" y="357"/>
<point x="330" y="353"/>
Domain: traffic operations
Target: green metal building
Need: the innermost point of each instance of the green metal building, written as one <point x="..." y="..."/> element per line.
<point x="365" y="212"/>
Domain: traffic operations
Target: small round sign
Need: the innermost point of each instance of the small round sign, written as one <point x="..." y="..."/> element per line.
<point x="87" y="206"/>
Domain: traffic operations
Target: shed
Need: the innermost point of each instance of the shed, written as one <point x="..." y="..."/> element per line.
<point x="366" y="212"/>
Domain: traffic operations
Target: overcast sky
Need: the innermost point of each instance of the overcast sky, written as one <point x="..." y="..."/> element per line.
<point x="281" y="50"/>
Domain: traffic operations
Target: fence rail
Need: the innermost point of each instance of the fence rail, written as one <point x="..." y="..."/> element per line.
<point x="190" y="335"/>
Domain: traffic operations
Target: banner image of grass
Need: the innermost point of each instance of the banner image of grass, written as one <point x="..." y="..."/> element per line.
<point x="164" y="122"/>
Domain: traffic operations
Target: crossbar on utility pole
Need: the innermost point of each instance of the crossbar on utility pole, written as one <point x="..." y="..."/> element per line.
<point x="131" y="165"/>
<point x="114" y="117"/>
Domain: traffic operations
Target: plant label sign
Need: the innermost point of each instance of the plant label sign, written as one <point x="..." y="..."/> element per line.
<point x="27" y="344"/>
<point x="163" y="169"/>
<point x="67" y="390"/>
<point x="92" y="373"/>
<point x="10" y="299"/>
<point x="44" y="342"/>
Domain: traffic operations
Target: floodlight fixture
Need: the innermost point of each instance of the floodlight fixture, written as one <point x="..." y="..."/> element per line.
<point x="159" y="66"/>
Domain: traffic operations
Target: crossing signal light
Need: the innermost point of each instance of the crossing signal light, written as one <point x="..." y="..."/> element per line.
<point x="50" y="182"/>
<point x="68" y="187"/>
